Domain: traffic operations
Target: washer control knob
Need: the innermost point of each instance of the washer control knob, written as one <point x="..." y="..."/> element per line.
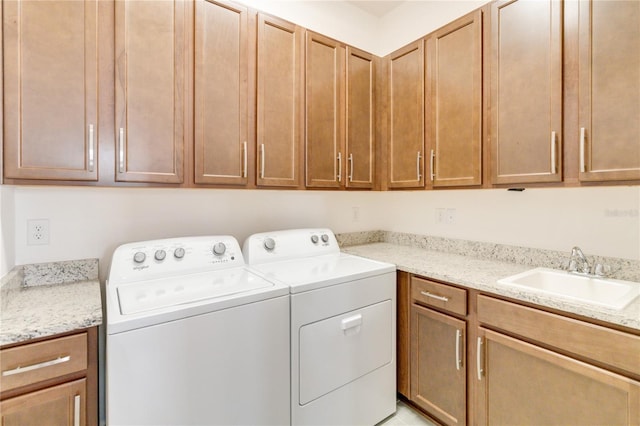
<point x="178" y="253"/>
<point x="139" y="257"/>
<point x="160" y="255"/>
<point x="219" y="249"/>
<point x="325" y="238"/>
<point x="269" y="243"/>
<point x="314" y="239"/>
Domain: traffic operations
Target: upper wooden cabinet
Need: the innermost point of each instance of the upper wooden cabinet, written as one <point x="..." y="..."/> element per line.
<point x="221" y="112"/>
<point x="526" y="91"/>
<point x="360" y="133"/>
<point x="406" y="117"/>
<point x="454" y="83"/>
<point x="609" y="80"/>
<point x="151" y="40"/>
<point x="279" y="102"/>
<point x="324" y="111"/>
<point x="50" y="89"/>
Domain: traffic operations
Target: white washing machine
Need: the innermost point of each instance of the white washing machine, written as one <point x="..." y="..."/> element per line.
<point x="343" y="322"/>
<point x="194" y="337"/>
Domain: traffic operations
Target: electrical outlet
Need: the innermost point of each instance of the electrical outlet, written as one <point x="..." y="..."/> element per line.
<point x="450" y="216"/>
<point x="440" y="215"/>
<point x="355" y="213"/>
<point x="37" y="232"/>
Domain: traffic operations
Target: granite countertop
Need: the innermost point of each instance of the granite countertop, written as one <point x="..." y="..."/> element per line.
<point x="48" y="299"/>
<point x="482" y="274"/>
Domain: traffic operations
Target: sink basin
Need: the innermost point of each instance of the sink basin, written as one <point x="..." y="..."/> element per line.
<point x="608" y="293"/>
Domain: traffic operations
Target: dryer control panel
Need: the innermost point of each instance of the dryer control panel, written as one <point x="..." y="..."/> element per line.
<point x="289" y="244"/>
<point x="147" y="260"/>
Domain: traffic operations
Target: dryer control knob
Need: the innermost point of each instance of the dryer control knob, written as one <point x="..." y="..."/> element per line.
<point x="139" y="257"/>
<point x="269" y="243"/>
<point x="325" y="238"/>
<point x="178" y="253"/>
<point x="314" y="239"/>
<point x="160" y="255"/>
<point x="219" y="249"/>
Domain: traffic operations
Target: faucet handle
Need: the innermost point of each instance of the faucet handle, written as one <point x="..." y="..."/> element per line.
<point x="572" y="265"/>
<point x="601" y="270"/>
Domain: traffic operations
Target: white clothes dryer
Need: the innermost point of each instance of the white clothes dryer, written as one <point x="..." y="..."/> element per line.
<point x="343" y="326"/>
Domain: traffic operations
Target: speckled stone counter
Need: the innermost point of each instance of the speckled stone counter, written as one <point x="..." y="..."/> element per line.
<point x="48" y="299"/>
<point x="482" y="274"/>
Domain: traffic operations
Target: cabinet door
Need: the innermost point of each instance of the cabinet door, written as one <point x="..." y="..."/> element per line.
<point x="221" y="93"/>
<point x="609" y="79"/>
<point x="324" y="108"/>
<point x="526" y="91"/>
<point x="150" y="93"/>
<point x="406" y="117"/>
<point x="455" y="76"/>
<point x="50" y="89"/>
<point x="279" y="102"/>
<point x="551" y="389"/>
<point x="360" y="142"/>
<point x="59" y="405"/>
<point x="438" y="371"/>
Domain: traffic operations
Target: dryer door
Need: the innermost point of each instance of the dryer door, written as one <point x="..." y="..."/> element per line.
<point x="340" y="349"/>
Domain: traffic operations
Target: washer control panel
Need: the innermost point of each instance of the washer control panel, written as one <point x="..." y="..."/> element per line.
<point x="174" y="256"/>
<point x="289" y="244"/>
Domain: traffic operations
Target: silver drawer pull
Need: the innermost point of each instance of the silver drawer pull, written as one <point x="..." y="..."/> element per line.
<point x="350" y="167"/>
<point x="553" y="153"/>
<point x="91" y="149"/>
<point x="76" y="410"/>
<point x="583" y="138"/>
<point x="418" y="171"/>
<point x="37" y="366"/>
<point x="339" y="176"/>
<point x="458" y="357"/>
<point x="261" y="161"/>
<point x="434" y="296"/>
<point x="479" y="368"/>
<point x="431" y="162"/>
<point x="244" y="160"/>
<point x="121" y="151"/>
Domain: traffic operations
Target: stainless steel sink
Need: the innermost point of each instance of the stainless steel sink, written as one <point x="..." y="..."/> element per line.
<point x="608" y="293"/>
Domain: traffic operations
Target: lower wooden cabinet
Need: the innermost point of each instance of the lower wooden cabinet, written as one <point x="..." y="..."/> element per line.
<point x="524" y="384"/>
<point x="438" y="368"/>
<point x="479" y="359"/>
<point x="59" y="405"/>
<point x="51" y="381"/>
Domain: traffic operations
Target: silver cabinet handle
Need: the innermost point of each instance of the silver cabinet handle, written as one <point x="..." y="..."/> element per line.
<point x="434" y="296"/>
<point x="121" y="151"/>
<point x="261" y="161"/>
<point x="91" y="149"/>
<point x="37" y="366"/>
<point x="458" y="358"/>
<point x="339" y="167"/>
<point x="553" y="153"/>
<point x="76" y="410"/>
<point x="432" y="162"/>
<point x="479" y="358"/>
<point x="351" y="167"/>
<point x="244" y="161"/>
<point x="583" y="137"/>
<point x="418" y="158"/>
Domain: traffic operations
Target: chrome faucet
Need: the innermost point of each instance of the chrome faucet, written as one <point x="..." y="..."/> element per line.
<point x="579" y="264"/>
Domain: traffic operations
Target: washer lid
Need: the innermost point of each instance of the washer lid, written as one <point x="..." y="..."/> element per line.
<point x="151" y="295"/>
<point x="321" y="271"/>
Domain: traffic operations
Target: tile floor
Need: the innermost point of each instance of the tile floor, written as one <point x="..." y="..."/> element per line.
<point x="406" y="416"/>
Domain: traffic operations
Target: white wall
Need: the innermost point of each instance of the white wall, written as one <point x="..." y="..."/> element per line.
<point x="414" y="19"/>
<point x="7" y="227"/>
<point x="335" y="19"/>
<point x="600" y="220"/>
<point x="92" y="222"/>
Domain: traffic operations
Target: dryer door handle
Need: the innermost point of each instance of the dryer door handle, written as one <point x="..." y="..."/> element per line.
<point x="351" y="322"/>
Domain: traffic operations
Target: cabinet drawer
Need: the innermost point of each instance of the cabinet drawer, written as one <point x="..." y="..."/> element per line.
<point x="35" y="362"/>
<point x="589" y="341"/>
<point x="441" y="296"/>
